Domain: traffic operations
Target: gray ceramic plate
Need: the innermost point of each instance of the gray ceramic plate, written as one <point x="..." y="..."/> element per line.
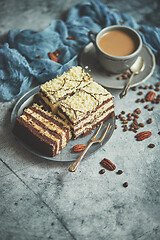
<point x="65" y="154"/>
<point x="89" y="61"/>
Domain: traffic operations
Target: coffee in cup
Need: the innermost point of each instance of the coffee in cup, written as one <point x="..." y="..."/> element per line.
<point x="117" y="47"/>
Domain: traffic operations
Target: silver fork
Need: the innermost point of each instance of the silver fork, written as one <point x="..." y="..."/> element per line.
<point x="74" y="166"/>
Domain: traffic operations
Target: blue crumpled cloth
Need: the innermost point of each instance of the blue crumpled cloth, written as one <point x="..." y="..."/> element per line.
<point x="19" y="66"/>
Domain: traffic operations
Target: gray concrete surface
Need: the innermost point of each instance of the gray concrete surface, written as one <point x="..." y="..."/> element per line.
<point x="40" y="199"/>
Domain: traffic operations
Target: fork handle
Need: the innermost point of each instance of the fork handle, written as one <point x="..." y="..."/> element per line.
<point x="74" y="166"/>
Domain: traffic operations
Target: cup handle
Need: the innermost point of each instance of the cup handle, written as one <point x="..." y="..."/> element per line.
<point x="90" y="33"/>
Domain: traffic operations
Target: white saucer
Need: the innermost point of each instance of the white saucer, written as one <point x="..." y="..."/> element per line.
<point x="89" y="61"/>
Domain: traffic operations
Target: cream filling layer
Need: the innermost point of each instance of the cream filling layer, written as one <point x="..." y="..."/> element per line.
<point x="50" y="125"/>
<point x="89" y="126"/>
<point x="91" y="118"/>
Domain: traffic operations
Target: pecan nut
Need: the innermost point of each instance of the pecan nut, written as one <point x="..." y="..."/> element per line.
<point x="150" y="96"/>
<point x="53" y="57"/>
<point x="106" y="163"/>
<point x="143" y="135"/>
<point x="79" y="147"/>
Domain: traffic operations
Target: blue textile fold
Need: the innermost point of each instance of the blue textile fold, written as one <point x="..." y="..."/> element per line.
<point x="19" y="65"/>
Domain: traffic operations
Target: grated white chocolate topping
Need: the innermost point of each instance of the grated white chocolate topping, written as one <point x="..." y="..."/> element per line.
<point x="85" y="101"/>
<point x="65" y="84"/>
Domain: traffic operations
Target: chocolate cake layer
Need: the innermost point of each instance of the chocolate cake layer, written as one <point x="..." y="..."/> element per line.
<point x="46" y="132"/>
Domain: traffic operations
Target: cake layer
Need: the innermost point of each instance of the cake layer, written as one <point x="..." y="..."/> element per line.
<point x="39" y="128"/>
<point x="57" y="89"/>
<point x="86" y="108"/>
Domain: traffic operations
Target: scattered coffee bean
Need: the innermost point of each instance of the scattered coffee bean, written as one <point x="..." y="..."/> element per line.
<point x="156" y="89"/>
<point x="117" y="116"/>
<point x="120" y="115"/>
<point x="136" y="116"/>
<point x="140" y="93"/>
<point x="138" y="111"/>
<point x="141" y="124"/>
<point x="140" y="87"/>
<point x="143" y="100"/>
<point x="151" y="109"/>
<point x="119" y="77"/>
<point x="125" y="129"/>
<point x="119" y="172"/>
<point x="123" y="118"/>
<point x="151" y="86"/>
<point x="135" y="131"/>
<point x="151" y="145"/>
<point x="125" y="76"/>
<point x="149" y="120"/>
<point x="158" y="133"/>
<point x="147" y="106"/>
<point x="146" y="87"/>
<point x="134" y="88"/>
<point x="123" y="112"/>
<point x="125" y="184"/>
<point x="125" y="121"/>
<point x="102" y="171"/>
<point x="138" y="100"/>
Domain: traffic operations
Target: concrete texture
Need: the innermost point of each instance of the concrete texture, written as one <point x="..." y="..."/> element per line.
<point x="40" y="199"/>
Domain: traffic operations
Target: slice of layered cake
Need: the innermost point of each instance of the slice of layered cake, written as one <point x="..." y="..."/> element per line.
<point x="86" y="108"/>
<point x="57" y="89"/>
<point x="42" y="130"/>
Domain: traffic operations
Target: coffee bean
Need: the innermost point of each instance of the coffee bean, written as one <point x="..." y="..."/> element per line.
<point x="129" y="118"/>
<point x="125" y="76"/>
<point x="138" y="111"/>
<point x="151" y="86"/>
<point x="140" y="87"/>
<point x="134" y="88"/>
<point x="151" y="109"/>
<point x="138" y="100"/>
<point x="158" y="133"/>
<point x="115" y="126"/>
<point x="125" y="121"/>
<point x="156" y="89"/>
<point x="149" y="120"/>
<point x="141" y="124"/>
<point x="136" y="116"/>
<point x="123" y="112"/>
<point x="147" y="106"/>
<point x="119" y="172"/>
<point x="151" y="145"/>
<point x="131" y="129"/>
<point x="146" y="87"/>
<point x="102" y="171"/>
<point x="140" y="93"/>
<point x="125" y="129"/>
<point x="125" y="184"/>
<point x="143" y="100"/>
<point x="123" y="118"/>
<point x="117" y="116"/>
<point x="119" y="77"/>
